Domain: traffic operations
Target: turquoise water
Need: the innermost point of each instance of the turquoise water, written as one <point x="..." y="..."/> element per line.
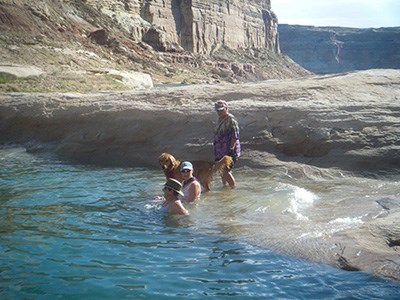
<point x="70" y="231"/>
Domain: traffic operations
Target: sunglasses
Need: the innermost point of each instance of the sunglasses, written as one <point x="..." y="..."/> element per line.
<point x="165" y="188"/>
<point x="185" y="171"/>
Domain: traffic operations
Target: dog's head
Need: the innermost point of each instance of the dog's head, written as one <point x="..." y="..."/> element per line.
<point x="167" y="161"/>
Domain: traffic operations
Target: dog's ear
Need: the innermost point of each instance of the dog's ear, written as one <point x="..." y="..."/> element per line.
<point x="162" y="160"/>
<point x="172" y="160"/>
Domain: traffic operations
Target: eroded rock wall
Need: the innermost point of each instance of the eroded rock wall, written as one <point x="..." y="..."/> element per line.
<point x="235" y="24"/>
<point x="194" y="25"/>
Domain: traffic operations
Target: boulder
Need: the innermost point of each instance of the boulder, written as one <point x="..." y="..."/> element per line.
<point x="134" y="80"/>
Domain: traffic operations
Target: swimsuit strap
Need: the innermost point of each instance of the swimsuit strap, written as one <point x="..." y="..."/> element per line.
<point x="191" y="179"/>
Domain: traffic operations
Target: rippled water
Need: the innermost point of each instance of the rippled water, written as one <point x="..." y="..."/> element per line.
<point x="81" y="232"/>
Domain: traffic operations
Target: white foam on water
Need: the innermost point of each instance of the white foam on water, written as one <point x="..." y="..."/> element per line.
<point x="314" y="234"/>
<point x="262" y="209"/>
<point x="340" y="224"/>
<point x="333" y="226"/>
<point x="151" y="206"/>
<point x="347" y="221"/>
<point x="299" y="200"/>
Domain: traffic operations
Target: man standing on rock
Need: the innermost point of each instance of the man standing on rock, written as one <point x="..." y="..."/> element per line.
<point x="226" y="139"/>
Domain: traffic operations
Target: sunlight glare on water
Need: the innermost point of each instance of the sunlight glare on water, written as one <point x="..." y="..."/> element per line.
<point x="71" y="231"/>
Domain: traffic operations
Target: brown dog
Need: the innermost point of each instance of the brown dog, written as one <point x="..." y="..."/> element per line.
<point x="202" y="170"/>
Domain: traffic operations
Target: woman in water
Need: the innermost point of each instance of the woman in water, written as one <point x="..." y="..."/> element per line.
<point x="190" y="185"/>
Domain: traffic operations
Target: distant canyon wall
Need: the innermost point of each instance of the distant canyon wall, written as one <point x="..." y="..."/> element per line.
<point x="196" y="26"/>
<point x="325" y="50"/>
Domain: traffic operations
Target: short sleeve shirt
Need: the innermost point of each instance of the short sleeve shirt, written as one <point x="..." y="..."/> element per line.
<point x="226" y="129"/>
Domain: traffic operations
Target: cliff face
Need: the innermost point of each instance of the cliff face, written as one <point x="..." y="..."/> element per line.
<point x="333" y="49"/>
<point x="196" y="26"/>
<point x="236" y="24"/>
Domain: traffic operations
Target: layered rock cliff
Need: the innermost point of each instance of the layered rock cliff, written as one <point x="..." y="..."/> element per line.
<point x="325" y="50"/>
<point x="174" y="41"/>
<point x="196" y="26"/>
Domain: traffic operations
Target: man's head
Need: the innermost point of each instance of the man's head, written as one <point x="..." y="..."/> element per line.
<point x="220" y="105"/>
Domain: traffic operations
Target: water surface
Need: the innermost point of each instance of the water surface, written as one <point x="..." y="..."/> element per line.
<point x="71" y="231"/>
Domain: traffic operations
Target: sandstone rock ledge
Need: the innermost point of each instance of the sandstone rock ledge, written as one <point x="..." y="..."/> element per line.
<point x="349" y="121"/>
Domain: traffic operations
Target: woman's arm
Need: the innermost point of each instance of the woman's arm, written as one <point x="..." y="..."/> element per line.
<point x="194" y="191"/>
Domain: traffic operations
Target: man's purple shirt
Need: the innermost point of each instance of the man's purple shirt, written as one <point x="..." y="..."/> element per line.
<point x="225" y="130"/>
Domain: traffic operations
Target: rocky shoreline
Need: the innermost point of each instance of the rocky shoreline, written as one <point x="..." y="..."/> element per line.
<point x="349" y="121"/>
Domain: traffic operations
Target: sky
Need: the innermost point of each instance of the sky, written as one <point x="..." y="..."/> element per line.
<point x="343" y="13"/>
